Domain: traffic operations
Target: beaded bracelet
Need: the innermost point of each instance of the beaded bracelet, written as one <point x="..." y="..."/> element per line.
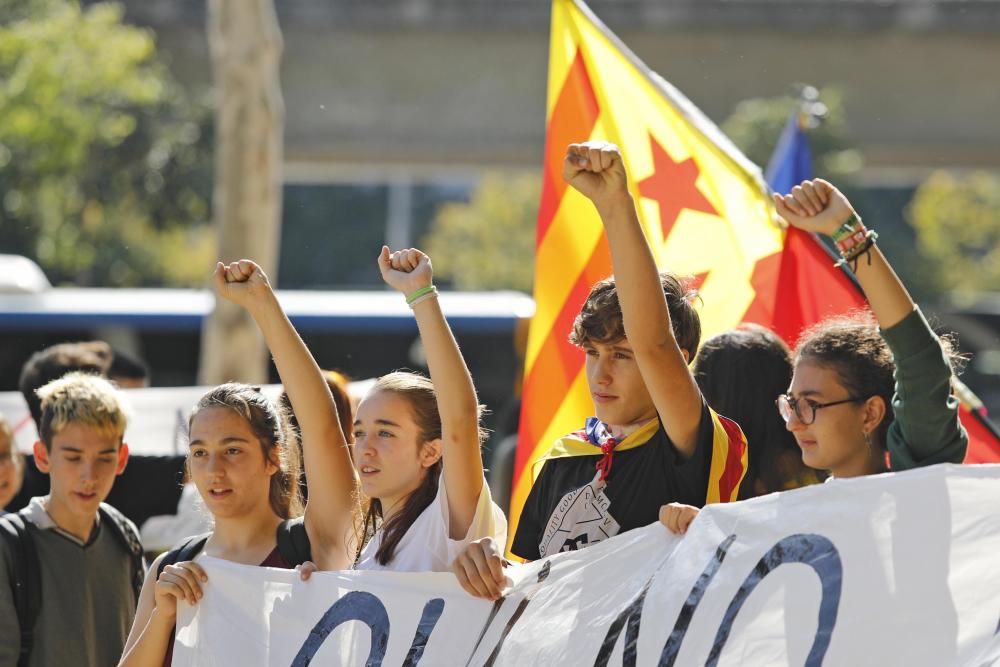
<point x="417" y="293"/>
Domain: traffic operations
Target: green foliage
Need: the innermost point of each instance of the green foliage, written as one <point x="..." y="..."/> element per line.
<point x="957" y="220"/>
<point x="488" y="243"/>
<point x="755" y="125"/>
<point x="104" y="166"/>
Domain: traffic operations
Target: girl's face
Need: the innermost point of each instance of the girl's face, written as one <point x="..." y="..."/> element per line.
<point x="835" y="439"/>
<point x="388" y="454"/>
<point x="227" y="463"/>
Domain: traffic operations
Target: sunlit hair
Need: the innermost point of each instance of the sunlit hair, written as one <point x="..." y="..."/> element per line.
<point x="7" y="436"/>
<point x="6" y="432"/>
<point x="600" y="318"/>
<point x="740" y="372"/>
<point x="80" y="398"/>
<point x="277" y="440"/>
<point x="418" y="391"/>
<point x="338" y="384"/>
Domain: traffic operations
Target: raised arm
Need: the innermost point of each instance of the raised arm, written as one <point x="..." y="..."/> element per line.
<point x="926" y="427"/>
<point x="816" y="206"/>
<point x="410" y="272"/>
<point x="597" y="171"/>
<point x="328" y="466"/>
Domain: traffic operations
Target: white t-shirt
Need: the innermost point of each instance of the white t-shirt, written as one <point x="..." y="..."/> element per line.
<point x="426" y="547"/>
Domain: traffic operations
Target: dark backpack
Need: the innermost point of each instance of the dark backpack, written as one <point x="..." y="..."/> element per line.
<point x="293" y="545"/>
<point x="25" y="577"/>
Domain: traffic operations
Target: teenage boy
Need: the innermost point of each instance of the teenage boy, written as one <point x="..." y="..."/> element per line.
<point x="70" y="564"/>
<point x="152" y="484"/>
<point x="654" y="439"/>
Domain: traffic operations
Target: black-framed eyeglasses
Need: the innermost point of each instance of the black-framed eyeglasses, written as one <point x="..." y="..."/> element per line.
<point x="805" y="408"/>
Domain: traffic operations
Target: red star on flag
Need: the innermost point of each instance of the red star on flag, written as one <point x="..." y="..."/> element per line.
<point x="673" y="185"/>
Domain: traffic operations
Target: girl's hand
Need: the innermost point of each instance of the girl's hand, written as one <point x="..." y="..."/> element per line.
<point x="479" y="569"/>
<point x="306" y="570"/>
<point x="677" y="517"/>
<point x="178" y="582"/>
<point x="814" y="206"/>
<point x="243" y="282"/>
<point x="405" y="270"/>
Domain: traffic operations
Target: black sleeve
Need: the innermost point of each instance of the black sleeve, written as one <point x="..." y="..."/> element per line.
<point x="150" y="486"/>
<point x="691" y="474"/>
<point x="531" y="523"/>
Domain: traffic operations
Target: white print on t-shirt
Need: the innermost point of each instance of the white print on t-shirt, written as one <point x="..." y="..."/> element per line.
<point x="581" y="518"/>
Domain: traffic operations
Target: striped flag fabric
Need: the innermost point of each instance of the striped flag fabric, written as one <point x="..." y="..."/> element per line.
<point x="704" y="208"/>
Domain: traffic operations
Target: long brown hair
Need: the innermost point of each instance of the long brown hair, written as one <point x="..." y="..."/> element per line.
<point x="277" y="440"/>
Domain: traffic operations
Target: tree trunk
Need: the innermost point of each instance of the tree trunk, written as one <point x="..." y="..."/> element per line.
<point x="246" y="48"/>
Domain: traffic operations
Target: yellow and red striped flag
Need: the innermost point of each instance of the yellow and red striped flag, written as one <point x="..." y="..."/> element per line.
<point x="704" y="207"/>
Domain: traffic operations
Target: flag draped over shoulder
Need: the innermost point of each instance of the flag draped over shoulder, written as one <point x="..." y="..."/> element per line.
<point x="728" y="464"/>
<point x="703" y="206"/>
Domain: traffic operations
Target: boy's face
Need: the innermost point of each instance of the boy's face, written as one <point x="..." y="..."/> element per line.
<point x="616" y="387"/>
<point x="82" y="462"/>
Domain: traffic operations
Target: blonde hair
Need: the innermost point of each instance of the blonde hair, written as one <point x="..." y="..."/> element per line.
<point x="80" y="398"/>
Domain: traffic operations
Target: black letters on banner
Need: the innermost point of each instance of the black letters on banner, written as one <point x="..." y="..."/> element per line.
<point x="365" y="607"/>
<point x="355" y="606"/>
<point x="809" y="549"/>
<point x="633" y="615"/>
<point x="673" y="645"/>
<point x="813" y="550"/>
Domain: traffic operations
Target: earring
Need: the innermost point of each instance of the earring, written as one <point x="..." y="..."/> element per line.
<point x="868" y="439"/>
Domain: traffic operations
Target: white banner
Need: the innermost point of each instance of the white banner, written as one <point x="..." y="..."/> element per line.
<point x="895" y="569"/>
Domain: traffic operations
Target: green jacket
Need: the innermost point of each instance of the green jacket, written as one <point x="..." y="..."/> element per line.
<point x="926" y="429"/>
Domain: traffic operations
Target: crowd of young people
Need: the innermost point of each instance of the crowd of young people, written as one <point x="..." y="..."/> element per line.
<point x="404" y="489"/>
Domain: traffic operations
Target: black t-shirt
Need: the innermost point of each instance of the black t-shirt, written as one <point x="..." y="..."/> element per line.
<point x="642" y="479"/>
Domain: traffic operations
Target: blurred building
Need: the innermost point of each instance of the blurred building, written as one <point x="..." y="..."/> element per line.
<point x="395" y="105"/>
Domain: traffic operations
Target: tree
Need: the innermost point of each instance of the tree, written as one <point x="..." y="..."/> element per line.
<point x="246" y="52"/>
<point x="755" y="125"/>
<point x="488" y="243"/>
<point x="104" y="163"/>
<point x="958" y="229"/>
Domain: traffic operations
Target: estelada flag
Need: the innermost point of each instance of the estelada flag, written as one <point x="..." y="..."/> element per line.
<point x="703" y="206"/>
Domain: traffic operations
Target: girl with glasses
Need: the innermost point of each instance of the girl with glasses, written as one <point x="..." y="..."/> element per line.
<point x="866" y="397"/>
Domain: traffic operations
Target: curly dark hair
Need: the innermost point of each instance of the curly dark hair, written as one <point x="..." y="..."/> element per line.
<point x="854" y="349"/>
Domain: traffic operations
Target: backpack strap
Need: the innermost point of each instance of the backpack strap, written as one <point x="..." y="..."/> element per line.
<point x="293" y="541"/>
<point x="23" y="572"/>
<point x="184" y="551"/>
<point x="128" y="534"/>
